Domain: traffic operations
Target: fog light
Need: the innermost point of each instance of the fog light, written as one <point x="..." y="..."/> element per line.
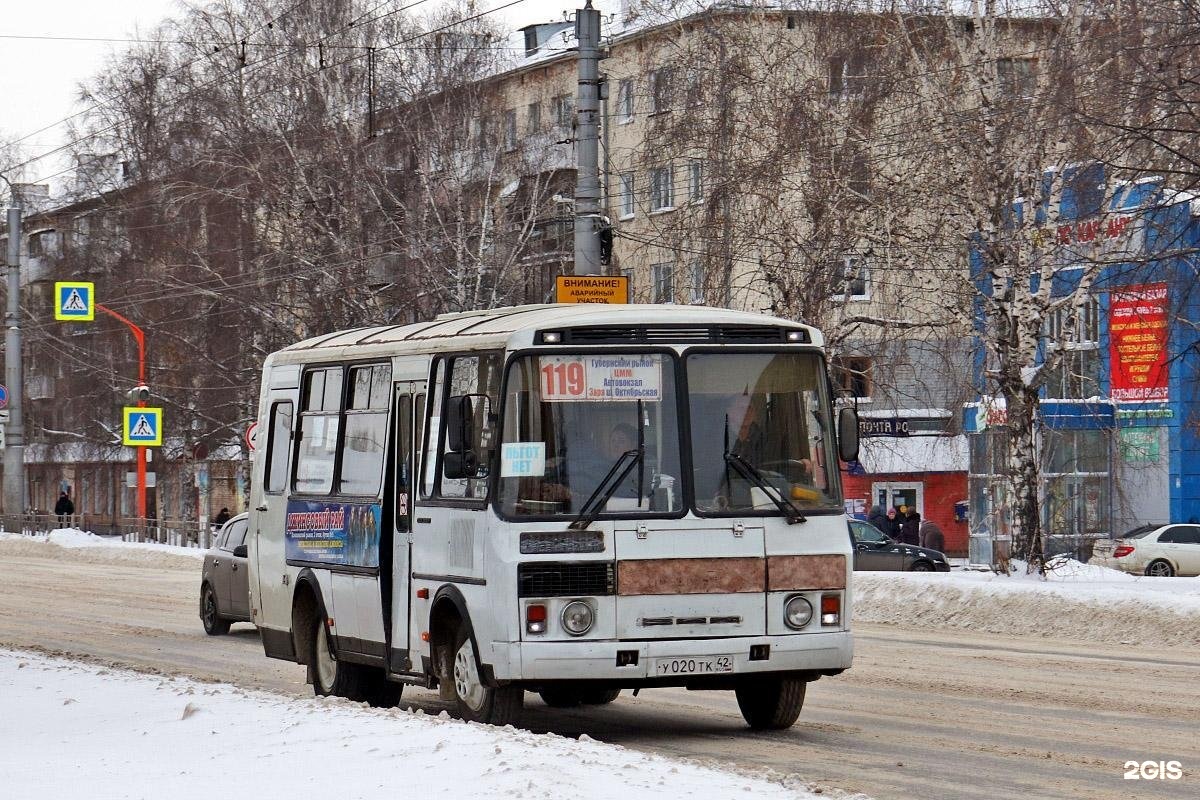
<point x="535" y="618"/>
<point x="577" y="618"/>
<point x="831" y="609"/>
<point x="797" y="612"/>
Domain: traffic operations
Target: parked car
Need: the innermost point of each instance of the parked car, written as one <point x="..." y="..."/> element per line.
<point x="224" y="581"/>
<point x="1161" y="551"/>
<point x="874" y="550"/>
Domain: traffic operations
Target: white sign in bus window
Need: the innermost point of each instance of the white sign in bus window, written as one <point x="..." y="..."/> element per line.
<point x="601" y="378"/>
<point x="523" y="460"/>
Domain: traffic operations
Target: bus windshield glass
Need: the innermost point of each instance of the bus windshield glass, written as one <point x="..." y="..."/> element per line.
<point x="766" y="410"/>
<point x="580" y="427"/>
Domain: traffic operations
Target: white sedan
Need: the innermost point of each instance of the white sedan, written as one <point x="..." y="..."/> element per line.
<point x="1163" y="551"/>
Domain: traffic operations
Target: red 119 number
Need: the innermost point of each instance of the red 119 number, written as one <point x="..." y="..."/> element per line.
<point x="564" y="379"/>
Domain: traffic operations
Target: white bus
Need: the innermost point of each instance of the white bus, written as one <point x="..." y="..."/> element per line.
<point x="569" y="500"/>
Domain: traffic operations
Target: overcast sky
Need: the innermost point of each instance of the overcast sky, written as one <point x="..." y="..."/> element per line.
<point x="39" y="78"/>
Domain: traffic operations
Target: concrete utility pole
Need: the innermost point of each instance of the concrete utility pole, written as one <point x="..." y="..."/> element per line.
<point x="587" y="143"/>
<point x="14" y="448"/>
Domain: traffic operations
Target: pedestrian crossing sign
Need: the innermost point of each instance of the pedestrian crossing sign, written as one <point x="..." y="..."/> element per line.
<point x="143" y="426"/>
<point x="75" y="301"/>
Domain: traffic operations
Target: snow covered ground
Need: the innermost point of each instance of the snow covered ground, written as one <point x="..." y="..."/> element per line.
<point x="72" y="729"/>
<point x="88" y="548"/>
<point x="1074" y="600"/>
<point x="1077" y="601"/>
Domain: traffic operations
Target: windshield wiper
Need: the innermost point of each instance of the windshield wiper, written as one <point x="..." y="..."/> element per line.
<point x="595" y="503"/>
<point x="748" y="471"/>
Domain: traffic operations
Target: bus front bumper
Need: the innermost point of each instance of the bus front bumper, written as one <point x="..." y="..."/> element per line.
<point x="671" y="661"/>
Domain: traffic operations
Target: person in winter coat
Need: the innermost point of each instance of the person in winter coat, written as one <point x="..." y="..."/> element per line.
<point x="221" y="518"/>
<point x="64" y="508"/>
<point x="932" y="536"/>
<point x="910" y="529"/>
<point x="893" y="524"/>
<point x="878" y="518"/>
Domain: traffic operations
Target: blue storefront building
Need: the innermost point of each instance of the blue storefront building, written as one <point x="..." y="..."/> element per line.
<point x="1119" y="422"/>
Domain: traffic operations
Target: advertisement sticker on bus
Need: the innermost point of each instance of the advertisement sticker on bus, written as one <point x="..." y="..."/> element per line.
<point x="601" y="378"/>
<point x="333" y="533"/>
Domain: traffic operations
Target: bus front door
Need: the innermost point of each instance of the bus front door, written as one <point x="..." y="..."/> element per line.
<point x="409" y="410"/>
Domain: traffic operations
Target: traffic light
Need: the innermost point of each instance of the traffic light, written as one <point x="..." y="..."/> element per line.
<point x="606" y="241"/>
<point x="138" y="394"/>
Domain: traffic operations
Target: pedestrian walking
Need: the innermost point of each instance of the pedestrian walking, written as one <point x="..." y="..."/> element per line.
<point x="910" y="529"/>
<point x="64" y="508"/>
<point x="879" y="519"/>
<point x="932" y="536"/>
<point x="221" y="518"/>
<point x="893" y="524"/>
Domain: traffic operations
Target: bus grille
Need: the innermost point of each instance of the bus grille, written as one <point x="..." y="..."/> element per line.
<point x="584" y="578"/>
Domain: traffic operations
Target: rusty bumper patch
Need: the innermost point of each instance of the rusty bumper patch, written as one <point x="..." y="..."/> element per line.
<point x="788" y="573"/>
<point x="691" y="576"/>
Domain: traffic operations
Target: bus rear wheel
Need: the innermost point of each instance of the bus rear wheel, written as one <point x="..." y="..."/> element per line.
<point x="771" y="704"/>
<point x="331" y="677"/>
<point x="473" y="700"/>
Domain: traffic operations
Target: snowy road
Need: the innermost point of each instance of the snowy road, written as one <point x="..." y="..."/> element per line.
<point x="928" y="714"/>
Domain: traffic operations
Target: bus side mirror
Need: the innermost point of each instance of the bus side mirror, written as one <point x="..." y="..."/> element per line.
<point x="460" y="424"/>
<point x="847" y="434"/>
<point x="457" y="466"/>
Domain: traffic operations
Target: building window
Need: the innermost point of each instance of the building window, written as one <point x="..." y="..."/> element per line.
<point x="695" y="88"/>
<point x="1073" y="335"/>
<point x="852" y="375"/>
<point x="533" y="118"/>
<point x="696" y="283"/>
<point x="851" y="276"/>
<point x="510" y="131"/>
<point x="663" y="278"/>
<point x="627" y="197"/>
<point x="625" y="100"/>
<point x="847" y="76"/>
<point x="695" y="180"/>
<point x="660" y="90"/>
<point x="1017" y="77"/>
<point x="563" y="108"/>
<point x="662" y="189"/>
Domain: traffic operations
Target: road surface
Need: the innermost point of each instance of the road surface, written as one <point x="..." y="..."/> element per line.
<point x="926" y="714"/>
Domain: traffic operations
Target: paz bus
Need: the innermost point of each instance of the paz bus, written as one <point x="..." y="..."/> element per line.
<point x="571" y="500"/>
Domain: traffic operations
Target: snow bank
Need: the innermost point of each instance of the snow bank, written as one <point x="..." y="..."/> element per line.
<point x="1078" y="601"/>
<point x="120" y="734"/>
<point x="71" y="544"/>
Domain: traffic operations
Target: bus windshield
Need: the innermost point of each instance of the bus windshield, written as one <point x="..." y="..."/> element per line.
<point x="575" y="425"/>
<point x="766" y="410"/>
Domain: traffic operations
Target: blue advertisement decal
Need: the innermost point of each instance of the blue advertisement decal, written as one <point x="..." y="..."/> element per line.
<point x="333" y="533"/>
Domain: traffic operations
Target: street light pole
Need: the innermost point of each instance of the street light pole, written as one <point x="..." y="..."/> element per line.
<point x="14" y="447"/>
<point x="140" y="337"/>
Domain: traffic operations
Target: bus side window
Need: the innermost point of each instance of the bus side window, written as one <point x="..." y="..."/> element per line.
<point x="279" y="437"/>
<point x="479" y="377"/>
<point x="404" y="459"/>
<point x="433" y="429"/>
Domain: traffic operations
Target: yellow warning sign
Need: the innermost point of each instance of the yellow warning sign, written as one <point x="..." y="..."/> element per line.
<point x="591" y="289"/>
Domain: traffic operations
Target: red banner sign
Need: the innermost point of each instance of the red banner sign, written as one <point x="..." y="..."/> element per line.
<point x="1137" y="349"/>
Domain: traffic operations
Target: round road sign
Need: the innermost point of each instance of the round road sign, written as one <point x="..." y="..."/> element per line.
<point x="3" y="396"/>
<point x="252" y="436"/>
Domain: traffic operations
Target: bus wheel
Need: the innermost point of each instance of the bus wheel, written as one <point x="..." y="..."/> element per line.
<point x="330" y="676"/>
<point x="599" y="697"/>
<point x="473" y="701"/>
<point x="770" y="704"/>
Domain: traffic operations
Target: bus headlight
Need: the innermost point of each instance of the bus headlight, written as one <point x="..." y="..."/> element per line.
<point x="577" y="617"/>
<point x="797" y="612"/>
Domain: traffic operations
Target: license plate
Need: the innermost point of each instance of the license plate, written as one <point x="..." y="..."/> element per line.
<point x="693" y="666"/>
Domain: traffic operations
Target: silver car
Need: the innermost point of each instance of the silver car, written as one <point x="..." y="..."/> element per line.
<point x="224" y="583"/>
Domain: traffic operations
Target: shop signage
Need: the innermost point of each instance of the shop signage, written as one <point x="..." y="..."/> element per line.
<point x="894" y="426"/>
<point x="1137" y="328"/>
